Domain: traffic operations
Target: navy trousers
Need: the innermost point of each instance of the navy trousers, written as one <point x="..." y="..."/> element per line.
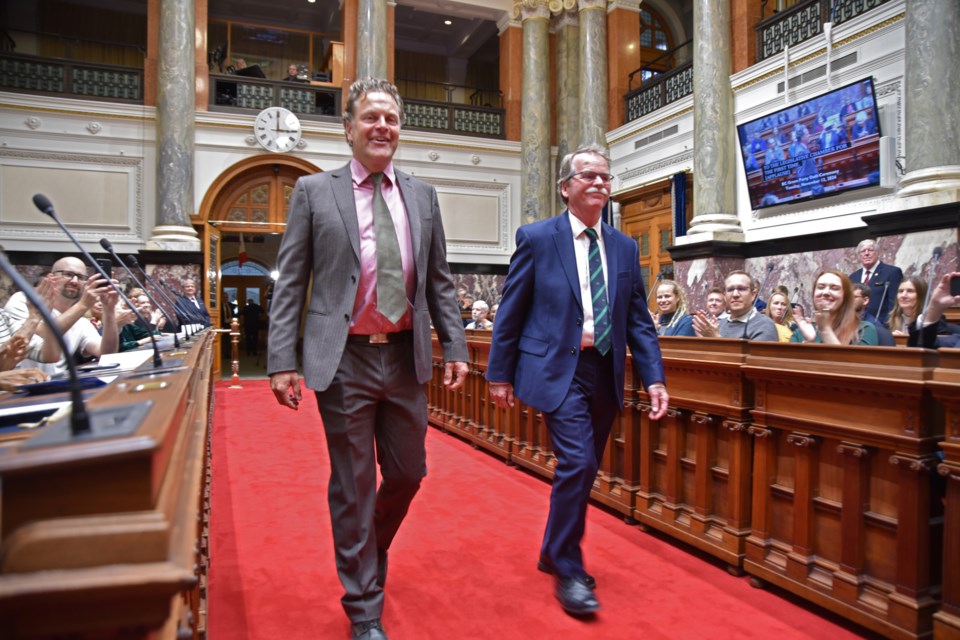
<point x="578" y="432"/>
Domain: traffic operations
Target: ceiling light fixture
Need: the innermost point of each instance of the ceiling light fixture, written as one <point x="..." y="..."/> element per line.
<point x="448" y="22"/>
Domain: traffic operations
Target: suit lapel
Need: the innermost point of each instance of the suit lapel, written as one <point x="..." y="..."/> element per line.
<point x="342" y="184"/>
<point x="611" y="250"/>
<point x="563" y="238"/>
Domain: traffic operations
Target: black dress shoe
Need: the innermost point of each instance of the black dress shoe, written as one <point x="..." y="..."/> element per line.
<point x="368" y="630"/>
<point x="575" y="597"/>
<point x="381" y="567"/>
<point x="546" y="567"/>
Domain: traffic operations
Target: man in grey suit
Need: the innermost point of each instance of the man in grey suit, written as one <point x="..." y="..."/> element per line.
<point x="367" y="342"/>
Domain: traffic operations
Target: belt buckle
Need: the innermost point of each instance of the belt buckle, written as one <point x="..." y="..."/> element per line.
<point x="379" y="338"/>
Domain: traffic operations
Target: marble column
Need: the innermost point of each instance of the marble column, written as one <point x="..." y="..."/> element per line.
<point x="537" y="179"/>
<point x="175" y="129"/>
<point x="372" y="39"/>
<point x="932" y="101"/>
<point x="567" y="38"/>
<point x="593" y="61"/>
<point x="714" y="151"/>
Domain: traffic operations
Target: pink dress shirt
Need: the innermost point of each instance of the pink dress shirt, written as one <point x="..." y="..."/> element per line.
<point x="366" y="318"/>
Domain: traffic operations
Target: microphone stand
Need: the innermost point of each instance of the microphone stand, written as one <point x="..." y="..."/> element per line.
<point x="132" y="260"/>
<point x="44" y="204"/>
<point x="109" y="247"/>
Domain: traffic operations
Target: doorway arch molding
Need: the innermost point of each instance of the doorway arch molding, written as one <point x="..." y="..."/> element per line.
<point x="246" y="171"/>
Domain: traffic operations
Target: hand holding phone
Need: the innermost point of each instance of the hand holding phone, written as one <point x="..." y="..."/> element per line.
<point x="954" y="284"/>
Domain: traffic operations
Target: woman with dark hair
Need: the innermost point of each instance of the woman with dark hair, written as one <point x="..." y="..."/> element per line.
<point x="671" y="318"/>
<point x="835" y="319"/>
<point x="778" y="309"/>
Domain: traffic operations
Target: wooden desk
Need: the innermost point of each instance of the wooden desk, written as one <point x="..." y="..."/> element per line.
<point x="99" y="538"/>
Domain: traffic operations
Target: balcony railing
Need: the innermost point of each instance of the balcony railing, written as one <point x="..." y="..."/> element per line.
<point x="34" y="74"/>
<point x="664" y="80"/>
<point x="805" y="20"/>
<point x="237" y="93"/>
<point x="660" y="91"/>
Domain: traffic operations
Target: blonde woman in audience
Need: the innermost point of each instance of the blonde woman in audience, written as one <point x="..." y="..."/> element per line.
<point x="835" y="319"/>
<point x="910" y="296"/>
<point x="778" y="309"/>
<point x="671" y="318"/>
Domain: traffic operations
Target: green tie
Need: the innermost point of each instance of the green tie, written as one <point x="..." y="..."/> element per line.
<point x="391" y="291"/>
<point x="598" y="289"/>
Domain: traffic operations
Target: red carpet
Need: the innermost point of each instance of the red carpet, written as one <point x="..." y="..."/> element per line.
<point x="464" y="562"/>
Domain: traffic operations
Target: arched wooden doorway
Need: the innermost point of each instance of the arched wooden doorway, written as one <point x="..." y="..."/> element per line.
<point x="248" y="201"/>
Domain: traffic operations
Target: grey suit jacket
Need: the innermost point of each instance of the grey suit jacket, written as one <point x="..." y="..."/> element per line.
<point x="322" y="241"/>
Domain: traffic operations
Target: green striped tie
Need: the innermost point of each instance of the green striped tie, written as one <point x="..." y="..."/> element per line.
<point x="598" y="289"/>
<point x="391" y="291"/>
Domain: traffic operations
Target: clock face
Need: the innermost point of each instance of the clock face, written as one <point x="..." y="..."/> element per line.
<point x="277" y="129"/>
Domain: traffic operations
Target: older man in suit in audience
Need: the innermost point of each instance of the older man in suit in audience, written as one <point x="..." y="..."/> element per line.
<point x="883" y="280"/>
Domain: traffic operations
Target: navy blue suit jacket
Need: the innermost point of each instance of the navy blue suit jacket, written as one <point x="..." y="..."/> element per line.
<point x="883" y="284"/>
<point x="536" y="336"/>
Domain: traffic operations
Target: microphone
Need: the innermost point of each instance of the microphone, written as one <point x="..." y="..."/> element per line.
<point x="132" y="260"/>
<point x="653" y="289"/>
<point x="79" y="419"/>
<point x="186" y="317"/>
<point x="109" y="248"/>
<point x="883" y="299"/>
<point x="43" y="203"/>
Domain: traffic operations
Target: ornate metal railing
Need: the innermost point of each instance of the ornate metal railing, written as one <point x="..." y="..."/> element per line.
<point x="805" y="20"/>
<point x="659" y="92"/>
<point x="229" y="92"/>
<point x="455" y="118"/>
<point x="36" y="74"/>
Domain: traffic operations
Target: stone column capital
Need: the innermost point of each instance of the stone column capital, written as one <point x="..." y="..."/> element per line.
<point x="566" y="18"/>
<point x="583" y="5"/>
<point x="527" y="9"/>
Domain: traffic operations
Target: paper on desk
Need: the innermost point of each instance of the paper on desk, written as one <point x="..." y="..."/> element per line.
<point x="128" y="360"/>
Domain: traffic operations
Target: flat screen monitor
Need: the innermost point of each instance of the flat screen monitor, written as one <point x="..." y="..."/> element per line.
<point x="820" y="147"/>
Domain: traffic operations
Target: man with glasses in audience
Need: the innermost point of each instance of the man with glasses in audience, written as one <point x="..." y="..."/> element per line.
<point x="743" y="319"/>
<point x="572" y="303"/>
<point x="883" y="280"/>
<point x="75" y="293"/>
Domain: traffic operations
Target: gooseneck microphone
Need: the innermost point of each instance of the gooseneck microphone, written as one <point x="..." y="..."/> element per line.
<point x="132" y="261"/>
<point x="186" y="319"/>
<point x="79" y="419"/>
<point x="653" y="289"/>
<point x="109" y="248"/>
<point x="43" y="203"/>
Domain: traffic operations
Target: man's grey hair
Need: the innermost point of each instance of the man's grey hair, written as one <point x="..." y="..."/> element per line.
<point x="867" y="242"/>
<point x="566" y="164"/>
<point x="482" y="305"/>
<point x="360" y="88"/>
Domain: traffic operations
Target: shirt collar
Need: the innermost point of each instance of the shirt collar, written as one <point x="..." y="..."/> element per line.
<point x="360" y="173"/>
<point x="578" y="227"/>
<point x="747" y="317"/>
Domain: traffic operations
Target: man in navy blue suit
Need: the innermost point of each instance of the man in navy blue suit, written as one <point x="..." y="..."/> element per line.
<point x="572" y="303"/>
<point x="883" y="280"/>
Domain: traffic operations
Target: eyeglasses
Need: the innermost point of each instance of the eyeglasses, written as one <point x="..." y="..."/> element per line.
<point x="591" y="176"/>
<point x="70" y="275"/>
<point x="740" y="289"/>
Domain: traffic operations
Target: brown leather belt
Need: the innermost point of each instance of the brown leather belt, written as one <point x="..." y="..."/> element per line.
<point x="381" y="338"/>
